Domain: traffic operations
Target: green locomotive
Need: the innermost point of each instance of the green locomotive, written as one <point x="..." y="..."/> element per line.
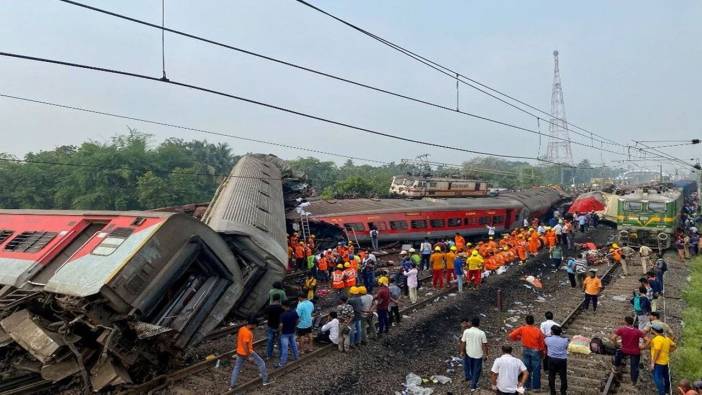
<point x="649" y="216"/>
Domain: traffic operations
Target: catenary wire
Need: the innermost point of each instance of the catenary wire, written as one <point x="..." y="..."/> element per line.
<point x="274" y="107"/>
<point x="223" y="134"/>
<point x="452" y="73"/>
<point x="332" y="76"/>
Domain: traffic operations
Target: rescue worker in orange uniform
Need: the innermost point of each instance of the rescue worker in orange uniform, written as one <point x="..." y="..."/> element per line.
<point x="338" y="278"/>
<point x="300" y="256"/>
<point x="522" y="250"/>
<point x="492" y="245"/>
<point x="438" y="264"/>
<point x="460" y="242"/>
<point x="322" y="267"/>
<point x="534" y="243"/>
<point x="550" y="238"/>
<point x="450" y="258"/>
<point x="349" y="277"/>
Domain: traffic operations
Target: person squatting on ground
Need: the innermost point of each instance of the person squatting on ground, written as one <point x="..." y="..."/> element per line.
<point x="245" y="352"/>
<point x="533" y="350"/>
<point x="474" y="351"/>
<point x="508" y="374"/>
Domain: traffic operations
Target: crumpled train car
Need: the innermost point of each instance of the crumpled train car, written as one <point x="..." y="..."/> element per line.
<point x="99" y="293"/>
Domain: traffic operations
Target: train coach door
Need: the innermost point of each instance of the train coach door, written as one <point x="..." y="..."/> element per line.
<point x="509" y="218"/>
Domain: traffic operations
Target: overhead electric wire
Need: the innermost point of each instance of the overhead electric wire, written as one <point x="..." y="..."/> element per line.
<point x="456" y="75"/>
<point x="162" y="28"/>
<point x="272" y="106"/>
<point x="188" y="128"/>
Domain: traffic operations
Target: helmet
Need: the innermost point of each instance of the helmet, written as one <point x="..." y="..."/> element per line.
<point x="383" y="280"/>
<point x="411" y="250"/>
<point x="474" y="253"/>
<point x="615" y="245"/>
<point x="437" y="248"/>
<point x="353" y="290"/>
<point x="340" y="266"/>
<point x="506" y="248"/>
<point x="346" y="264"/>
<point x="490" y="238"/>
<point x="403" y="252"/>
<point x="469" y="244"/>
<point x="453" y="248"/>
<point x="362" y="290"/>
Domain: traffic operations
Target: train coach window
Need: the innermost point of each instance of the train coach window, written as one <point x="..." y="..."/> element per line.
<point x="633" y="206"/>
<point x="110" y="243"/>
<point x="437" y="223"/>
<point x="656" y="207"/>
<point x="498" y="219"/>
<point x="455" y="222"/>
<point x="30" y="241"/>
<point x="4" y="234"/>
<point x="418" y="224"/>
<point x="355" y="226"/>
<point x="484" y="220"/>
<point x="398" y="225"/>
<point x="377" y="225"/>
<point x="470" y="221"/>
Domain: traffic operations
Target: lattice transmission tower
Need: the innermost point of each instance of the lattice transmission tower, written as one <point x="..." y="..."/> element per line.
<point x="558" y="148"/>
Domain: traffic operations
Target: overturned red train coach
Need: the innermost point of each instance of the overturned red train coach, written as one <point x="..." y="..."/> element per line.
<point x="403" y="219"/>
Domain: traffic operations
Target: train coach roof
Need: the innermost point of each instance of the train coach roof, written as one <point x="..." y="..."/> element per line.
<point x="151" y="214"/>
<point x="323" y="208"/>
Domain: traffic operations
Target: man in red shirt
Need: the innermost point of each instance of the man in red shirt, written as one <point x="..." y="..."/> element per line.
<point x="630" y="337"/>
<point x="245" y="352"/>
<point x="533" y="348"/>
<point x="382" y="304"/>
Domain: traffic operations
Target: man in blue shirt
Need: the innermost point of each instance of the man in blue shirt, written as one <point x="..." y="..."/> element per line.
<point x="557" y="347"/>
<point x="304" y="310"/>
<point x="288" y="321"/>
<point x="570" y="269"/>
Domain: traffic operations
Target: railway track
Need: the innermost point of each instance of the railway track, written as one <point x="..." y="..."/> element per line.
<point x="592" y="374"/>
<point x="201" y="368"/>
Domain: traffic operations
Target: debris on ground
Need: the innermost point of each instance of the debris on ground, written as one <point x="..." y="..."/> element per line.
<point x="413" y="386"/>
<point x="439" y="379"/>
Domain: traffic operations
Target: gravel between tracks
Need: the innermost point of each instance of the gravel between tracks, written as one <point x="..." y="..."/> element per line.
<point x="428" y="338"/>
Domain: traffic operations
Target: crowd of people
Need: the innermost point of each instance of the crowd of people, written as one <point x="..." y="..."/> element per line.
<point x="368" y="299"/>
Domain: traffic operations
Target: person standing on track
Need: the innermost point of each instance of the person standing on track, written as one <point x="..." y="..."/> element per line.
<point x="304" y="310"/>
<point x="368" y="326"/>
<point x="458" y="269"/>
<point x="630" y="337"/>
<point x="474" y="350"/>
<point x="345" y="313"/>
<point x="245" y="352"/>
<point x="425" y="249"/>
<point x="374" y="238"/>
<point x="412" y="282"/>
<point x="288" y="321"/>
<point x="533" y="350"/>
<point x="661" y="346"/>
<point x="645" y="254"/>
<point x="273" y="312"/>
<point x="438" y="264"/>
<point x="557" y="347"/>
<point x="395" y="316"/>
<point x="508" y="374"/>
<point x="475" y="268"/>
<point x="382" y="303"/>
<point x="642" y="306"/>
<point x="592" y="287"/>
<point x="546" y="326"/>
<point x="571" y="264"/>
<point x="450" y="258"/>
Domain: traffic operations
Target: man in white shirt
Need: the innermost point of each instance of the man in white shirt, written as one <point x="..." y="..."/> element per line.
<point x="645" y="254"/>
<point x="330" y="330"/>
<point x="491" y="230"/>
<point x="546" y="325"/>
<point x="473" y="350"/>
<point x="508" y="373"/>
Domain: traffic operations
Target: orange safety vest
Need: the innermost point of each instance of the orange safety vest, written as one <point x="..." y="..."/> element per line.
<point x="322" y="263"/>
<point x="460" y="242"/>
<point x="349" y="277"/>
<point x="299" y="251"/>
<point x="338" y="279"/>
<point x="450" y="257"/>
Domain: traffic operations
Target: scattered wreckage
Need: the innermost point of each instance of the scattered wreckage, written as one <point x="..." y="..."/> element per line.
<point x="108" y="297"/>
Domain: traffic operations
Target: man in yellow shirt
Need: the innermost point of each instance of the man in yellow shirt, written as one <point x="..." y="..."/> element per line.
<point x="661" y="347"/>
<point x="475" y="268"/>
<point x="592" y="287"/>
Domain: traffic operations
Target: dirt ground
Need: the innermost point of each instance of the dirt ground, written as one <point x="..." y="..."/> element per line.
<point x="425" y="341"/>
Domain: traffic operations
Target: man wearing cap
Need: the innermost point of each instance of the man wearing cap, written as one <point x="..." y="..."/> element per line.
<point x="245" y="352"/>
<point x="450" y="258"/>
<point x="661" y="346"/>
<point x="382" y="304"/>
<point x="592" y="287"/>
<point x="356" y="323"/>
<point x="438" y="265"/>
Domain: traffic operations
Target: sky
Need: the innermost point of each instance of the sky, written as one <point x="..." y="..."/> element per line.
<point x="630" y="71"/>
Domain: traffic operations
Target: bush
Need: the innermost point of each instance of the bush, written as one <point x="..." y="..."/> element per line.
<point x="687" y="360"/>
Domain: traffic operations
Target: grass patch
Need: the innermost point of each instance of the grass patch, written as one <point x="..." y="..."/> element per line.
<point x="687" y="360"/>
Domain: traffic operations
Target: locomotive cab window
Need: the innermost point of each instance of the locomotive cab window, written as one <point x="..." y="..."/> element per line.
<point x="30" y="241"/>
<point x="418" y="224"/>
<point x="398" y="225"/>
<point x="657" y="207"/>
<point x="437" y="223"/>
<point x="633" y="206"/>
<point x="455" y="222"/>
<point x="355" y="226"/>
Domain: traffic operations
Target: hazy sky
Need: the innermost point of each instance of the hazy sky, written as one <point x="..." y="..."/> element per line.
<point x="630" y="70"/>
